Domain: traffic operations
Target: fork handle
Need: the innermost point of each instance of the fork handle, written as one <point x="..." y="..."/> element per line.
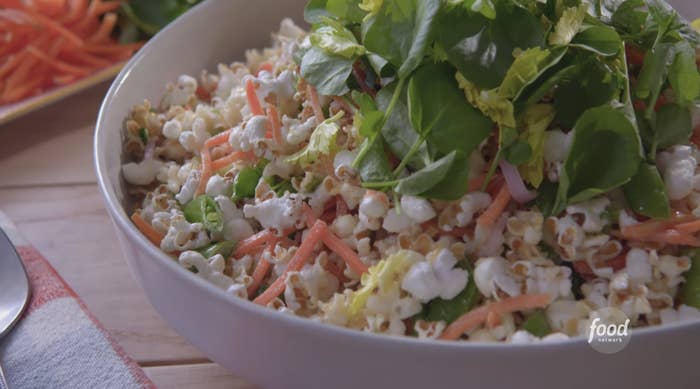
<point x="3" y="381"/>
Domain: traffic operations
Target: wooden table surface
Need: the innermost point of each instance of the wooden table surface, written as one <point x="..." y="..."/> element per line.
<point x="48" y="188"/>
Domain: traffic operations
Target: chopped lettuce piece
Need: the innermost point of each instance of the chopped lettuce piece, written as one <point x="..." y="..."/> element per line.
<point x="568" y="25"/>
<point x="334" y="38"/>
<point x="384" y="276"/>
<point x="322" y="142"/>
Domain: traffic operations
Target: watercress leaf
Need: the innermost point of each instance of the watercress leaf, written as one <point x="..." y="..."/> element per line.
<point x="398" y="133"/>
<point x="605" y="154"/>
<point x="375" y="166"/>
<point x="673" y="125"/>
<point x="328" y="73"/>
<point x="348" y="10"/>
<point x="546" y="83"/>
<point x="629" y="16"/>
<point x="401" y="31"/>
<point x="498" y="108"/>
<point x="314" y="10"/>
<point x="601" y="40"/>
<point x="683" y="75"/>
<point x="568" y="25"/>
<point x="518" y="153"/>
<point x="335" y="39"/>
<point x="646" y="192"/>
<point x="151" y="16"/>
<point x="535" y="121"/>
<point x="426" y="12"/>
<point x="690" y="292"/>
<point x="444" y="179"/>
<point x="528" y="66"/>
<point x="321" y="142"/>
<point x="370" y="123"/>
<point x="654" y="70"/>
<point x="594" y="84"/>
<point x="481" y="48"/>
<point x="438" y="111"/>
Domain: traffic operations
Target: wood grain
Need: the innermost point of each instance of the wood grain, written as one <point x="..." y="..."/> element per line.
<point x="199" y="376"/>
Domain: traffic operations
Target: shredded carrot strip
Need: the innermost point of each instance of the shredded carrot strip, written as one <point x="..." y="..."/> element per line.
<point x="672" y="236"/>
<point x="249" y="244"/>
<point x="690" y="227"/>
<point x="301" y="256"/>
<point x="70" y="36"/>
<point x="76" y="10"/>
<point x="494" y="211"/>
<point x="206" y="171"/>
<point x="105" y="29"/>
<point x="253" y="101"/>
<point x="218" y="139"/>
<point x="231" y="158"/>
<point x="154" y="236"/>
<point x="315" y="103"/>
<point x="57" y="64"/>
<point x="261" y="269"/>
<point x="273" y="117"/>
<point x="344" y="251"/>
<point x="476" y="317"/>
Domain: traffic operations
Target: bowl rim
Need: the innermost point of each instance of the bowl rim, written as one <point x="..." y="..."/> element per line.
<point x="122" y="221"/>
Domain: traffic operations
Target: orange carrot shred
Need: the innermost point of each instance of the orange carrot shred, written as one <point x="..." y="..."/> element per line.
<point x="273" y="117"/>
<point x="261" y="269"/>
<point x="315" y="103"/>
<point x="146" y="229"/>
<point x="476" y="317"/>
<point x="231" y="158"/>
<point x="494" y="211"/>
<point x="301" y="256"/>
<point x="345" y="252"/>
<point x="253" y="101"/>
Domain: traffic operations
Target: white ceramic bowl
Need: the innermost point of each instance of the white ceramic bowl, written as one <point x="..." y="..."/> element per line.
<point x="281" y="351"/>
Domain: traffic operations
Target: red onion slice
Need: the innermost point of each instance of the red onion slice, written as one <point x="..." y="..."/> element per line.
<point x="515" y="183"/>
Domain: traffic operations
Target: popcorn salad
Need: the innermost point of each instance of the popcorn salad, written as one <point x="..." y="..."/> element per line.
<point x="416" y="185"/>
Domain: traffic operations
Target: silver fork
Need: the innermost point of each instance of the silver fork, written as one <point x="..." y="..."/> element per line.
<point x="14" y="291"/>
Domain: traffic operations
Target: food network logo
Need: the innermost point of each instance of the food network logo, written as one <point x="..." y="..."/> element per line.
<point x="608" y="330"/>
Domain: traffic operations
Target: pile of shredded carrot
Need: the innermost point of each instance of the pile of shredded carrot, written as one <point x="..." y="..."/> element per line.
<point x="48" y="43"/>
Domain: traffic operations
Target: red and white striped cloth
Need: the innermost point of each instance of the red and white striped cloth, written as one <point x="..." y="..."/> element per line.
<point x="59" y="343"/>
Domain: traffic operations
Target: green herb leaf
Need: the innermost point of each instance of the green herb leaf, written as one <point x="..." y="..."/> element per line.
<point x="328" y="73"/>
<point x="673" y="125"/>
<point x="481" y="48"/>
<point x="375" y="165"/>
<point x="347" y="10"/>
<point x="438" y="111"/>
<point x="528" y="66"/>
<point x="601" y="40"/>
<point x="683" y="75"/>
<point x="151" y="16"/>
<point x="594" y="84"/>
<point x="400" y="32"/>
<point x="654" y="70"/>
<point x="444" y="179"/>
<point x="321" y="142"/>
<point x="398" y="132"/>
<point x="484" y="7"/>
<point x="335" y="39"/>
<point x="605" y="154"/>
<point x="646" y="193"/>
